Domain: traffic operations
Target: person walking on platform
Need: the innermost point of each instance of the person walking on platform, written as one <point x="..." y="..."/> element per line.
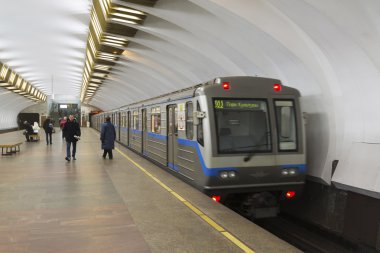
<point x="62" y="124"/>
<point x="28" y="131"/>
<point x="48" y="127"/>
<point x="108" y="136"/>
<point x="72" y="133"/>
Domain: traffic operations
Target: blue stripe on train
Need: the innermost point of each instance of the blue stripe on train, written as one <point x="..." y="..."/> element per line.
<point x="207" y="171"/>
<point x="173" y="167"/>
<point x="134" y="131"/>
<point x="124" y="129"/>
<point x="157" y="136"/>
<point x="215" y="171"/>
<point x="211" y="171"/>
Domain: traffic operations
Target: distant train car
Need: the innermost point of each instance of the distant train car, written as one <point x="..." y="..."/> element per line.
<point x="238" y="139"/>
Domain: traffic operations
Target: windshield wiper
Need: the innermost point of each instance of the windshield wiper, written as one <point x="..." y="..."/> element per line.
<point x="265" y="135"/>
<point x="249" y="156"/>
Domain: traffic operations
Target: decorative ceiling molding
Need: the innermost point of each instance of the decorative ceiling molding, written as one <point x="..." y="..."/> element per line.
<point x="12" y="81"/>
<point x="111" y="26"/>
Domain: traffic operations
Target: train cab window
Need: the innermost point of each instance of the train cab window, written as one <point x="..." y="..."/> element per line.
<point x="189" y="120"/>
<point x="286" y="125"/>
<point x="135" y="120"/>
<point x="200" y="138"/>
<point x="156" y="120"/>
<point x="242" y="126"/>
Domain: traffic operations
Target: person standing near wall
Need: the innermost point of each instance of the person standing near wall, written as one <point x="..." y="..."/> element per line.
<point x="72" y="134"/>
<point x="108" y="136"/>
<point x="48" y="127"/>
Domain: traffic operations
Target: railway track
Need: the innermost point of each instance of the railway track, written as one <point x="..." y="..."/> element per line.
<point x="304" y="237"/>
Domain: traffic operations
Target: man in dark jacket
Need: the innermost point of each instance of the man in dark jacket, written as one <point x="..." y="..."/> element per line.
<point x="28" y="130"/>
<point x="48" y="127"/>
<point x="72" y="133"/>
<point x="108" y="136"/>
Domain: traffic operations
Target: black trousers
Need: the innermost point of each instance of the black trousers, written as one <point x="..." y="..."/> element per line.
<point x="109" y="151"/>
<point x="47" y="138"/>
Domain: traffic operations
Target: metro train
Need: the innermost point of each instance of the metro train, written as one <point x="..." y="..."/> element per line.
<point x="238" y="139"/>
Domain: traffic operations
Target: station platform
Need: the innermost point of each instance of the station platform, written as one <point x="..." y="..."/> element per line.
<point x="99" y="205"/>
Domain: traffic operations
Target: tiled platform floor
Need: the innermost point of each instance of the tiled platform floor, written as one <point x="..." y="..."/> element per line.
<point x="107" y="206"/>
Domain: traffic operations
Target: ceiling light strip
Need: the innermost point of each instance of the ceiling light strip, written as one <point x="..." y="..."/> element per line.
<point x="125" y="16"/>
<point x="115" y="38"/>
<point x="14" y="82"/>
<point x="124" y="21"/>
<point x="129" y="10"/>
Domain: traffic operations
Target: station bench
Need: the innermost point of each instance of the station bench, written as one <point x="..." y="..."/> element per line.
<point x="10" y="148"/>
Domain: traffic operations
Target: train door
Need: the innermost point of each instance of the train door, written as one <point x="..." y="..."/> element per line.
<point x="172" y="134"/>
<point x="144" y="133"/>
<point x="129" y="127"/>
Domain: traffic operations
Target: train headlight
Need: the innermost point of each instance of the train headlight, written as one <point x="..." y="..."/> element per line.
<point x="223" y="174"/>
<point x="227" y="174"/>
<point x="231" y="174"/>
<point x="289" y="172"/>
<point x="285" y="172"/>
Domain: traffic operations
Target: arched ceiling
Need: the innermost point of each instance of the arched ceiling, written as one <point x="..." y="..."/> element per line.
<point x="329" y="50"/>
<point x="44" y="41"/>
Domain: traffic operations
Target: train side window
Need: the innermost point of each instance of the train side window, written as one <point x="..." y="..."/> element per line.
<point x="176" y="120"/>
<point x="135" y="118"/>
<point x="129" y="120"/>
<point x="144" y="122"/>
<point x="286" y="125"/>
<point x="200" y="138"/>
<point x="189" y="120"/>
<point x="123" y="120"/>
<point x="156" y="120"/>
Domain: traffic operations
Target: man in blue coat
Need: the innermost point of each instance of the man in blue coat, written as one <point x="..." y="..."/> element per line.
<point x="108" y="136"/>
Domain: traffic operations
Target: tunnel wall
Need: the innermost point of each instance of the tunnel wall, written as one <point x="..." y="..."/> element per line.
<point x="349" y="217"/>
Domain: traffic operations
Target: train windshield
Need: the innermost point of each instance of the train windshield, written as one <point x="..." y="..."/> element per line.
<point x="242" y="126"/>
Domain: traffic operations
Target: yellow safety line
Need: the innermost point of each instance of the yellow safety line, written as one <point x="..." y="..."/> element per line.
<point x="233" y="239"/>
<point x="198" y="212"/>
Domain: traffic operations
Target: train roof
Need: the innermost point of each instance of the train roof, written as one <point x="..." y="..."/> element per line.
<point x="190" y="91"/>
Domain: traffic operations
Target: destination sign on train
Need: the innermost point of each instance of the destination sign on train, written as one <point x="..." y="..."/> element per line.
<point x="235" y="104"/>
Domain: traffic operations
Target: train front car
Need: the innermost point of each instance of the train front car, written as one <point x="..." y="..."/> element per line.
<point x="253" y="150"/>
